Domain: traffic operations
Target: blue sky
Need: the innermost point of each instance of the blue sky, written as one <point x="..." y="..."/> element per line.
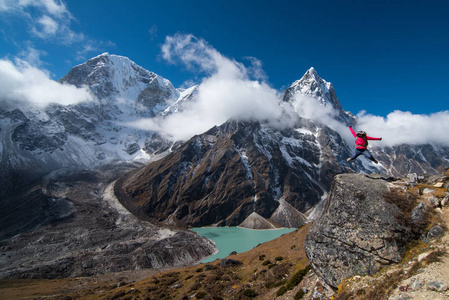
<point x="381" y="56"/>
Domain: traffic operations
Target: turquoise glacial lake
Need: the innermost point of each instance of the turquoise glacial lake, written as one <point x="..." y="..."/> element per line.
<point x="229" y="239"/>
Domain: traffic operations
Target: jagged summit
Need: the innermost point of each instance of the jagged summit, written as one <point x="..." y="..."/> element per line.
<point x="313" y="86"/>
<point x="312" y="73"/>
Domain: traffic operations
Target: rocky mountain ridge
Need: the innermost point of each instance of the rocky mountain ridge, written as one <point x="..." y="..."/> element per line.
<point x="231" y="171"/>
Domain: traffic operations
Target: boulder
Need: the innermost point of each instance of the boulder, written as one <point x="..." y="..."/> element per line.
<point x="419" y="213"/>
<point x="227" y="262"/>
<point x="435" y="232"/>
<point x="357" y="232"/>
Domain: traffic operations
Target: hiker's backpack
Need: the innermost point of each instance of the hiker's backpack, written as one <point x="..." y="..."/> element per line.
<point x="361" y="141"/>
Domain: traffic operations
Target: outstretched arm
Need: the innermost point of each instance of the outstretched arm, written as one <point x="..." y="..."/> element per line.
<point x="373" y="138"/>
<point x="352" y="131"/>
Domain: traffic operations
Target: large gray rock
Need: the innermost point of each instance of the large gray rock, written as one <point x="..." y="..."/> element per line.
<point x="357" y="232"/>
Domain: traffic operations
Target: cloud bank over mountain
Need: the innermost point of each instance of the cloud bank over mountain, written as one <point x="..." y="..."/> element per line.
<point x="401" y="127"/>
<point x="228" y="89"/>
<point x="24" y="84"/>
<point x="229" y="92"/>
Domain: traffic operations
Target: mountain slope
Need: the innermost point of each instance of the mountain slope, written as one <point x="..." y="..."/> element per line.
<point x="225" y="174"/>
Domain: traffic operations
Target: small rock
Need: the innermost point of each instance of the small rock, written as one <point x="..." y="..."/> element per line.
<point x="419" y="213"/>
<point x="423" y="256"/>
<point x="438" y="184"/>
<point x="226" y="262"/>
<point x="437" y="286"/>
<point x="412" y="177"/>
<point x="427" y="191"/>
<point x="316" y="294"/>
<point x="176" y="285"/>
<point x="403" y="297"/>
<point x="434" y="201"/>
<point x="445" y="201"/>
<point x="417" y="284"/>
<point x="434" y="232"/>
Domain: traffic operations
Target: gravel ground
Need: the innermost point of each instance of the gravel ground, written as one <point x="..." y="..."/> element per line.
<point x="93" y="234"/>
<point x="432" y="282"/>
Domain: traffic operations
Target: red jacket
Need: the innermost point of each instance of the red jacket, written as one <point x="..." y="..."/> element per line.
<point x="360" y="142"/>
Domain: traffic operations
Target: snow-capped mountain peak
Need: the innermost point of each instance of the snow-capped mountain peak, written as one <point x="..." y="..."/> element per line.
<point x="314" y="87"/>
<point x="113" y="77"/>
<point x="311" y="84"/>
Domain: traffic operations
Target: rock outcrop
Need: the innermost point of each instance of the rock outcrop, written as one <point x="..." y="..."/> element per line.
<point x="358" y="231"/>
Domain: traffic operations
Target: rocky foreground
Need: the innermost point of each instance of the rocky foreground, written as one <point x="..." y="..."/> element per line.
<point x="388" y="251"/>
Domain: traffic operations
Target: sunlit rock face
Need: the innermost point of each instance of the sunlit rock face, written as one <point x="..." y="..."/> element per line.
<point x="358" y="231"/>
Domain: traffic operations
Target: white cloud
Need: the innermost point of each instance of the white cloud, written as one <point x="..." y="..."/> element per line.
<point x="47" y="19"/>
<point x="406" y="128"/>
<point x="310" y="108"/>
<point x="56" y="8"/>
<point x="227" y="92"/>
<point x="220" y="100"/>
<point x="21" y="83"/>
<point x="256" y="70"/>
<point x="32" y="56"/>
<point x="232" y="90"/>
<point x="47" y="27"/>
<point x="197" y="55"/>
<point x="395" y="129"/>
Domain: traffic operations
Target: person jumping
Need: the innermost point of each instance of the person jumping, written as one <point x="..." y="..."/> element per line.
<point x="361" y="144"/>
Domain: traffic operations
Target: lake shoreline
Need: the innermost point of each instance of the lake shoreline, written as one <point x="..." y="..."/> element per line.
<point x="231" y="239"/>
